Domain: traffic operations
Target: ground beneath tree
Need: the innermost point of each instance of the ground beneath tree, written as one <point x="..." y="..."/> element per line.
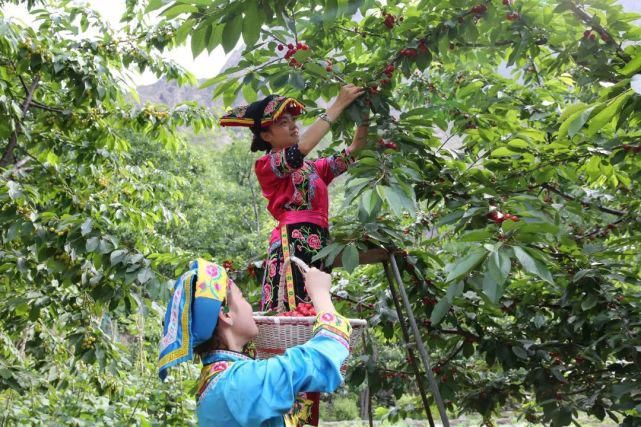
<point x="458" y="422"/>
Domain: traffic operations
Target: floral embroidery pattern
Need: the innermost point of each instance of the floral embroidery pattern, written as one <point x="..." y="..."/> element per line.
<point x="307" y="239"/>
<point x="271" y="106"/>
<point x="338" y="163"/>
<point x="286" y="161"/>
<point x="304" y="180"/>
<point x="209" y="376"/>
<point x="314" y="241"/>
<point x="333" y="323"/>
<point x="212" y="271"/>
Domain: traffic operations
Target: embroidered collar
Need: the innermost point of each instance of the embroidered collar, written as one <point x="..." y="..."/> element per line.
<point x="223" y="355"/>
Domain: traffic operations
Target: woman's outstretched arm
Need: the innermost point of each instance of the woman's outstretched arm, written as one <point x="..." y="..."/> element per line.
<point x="313" y="134"/>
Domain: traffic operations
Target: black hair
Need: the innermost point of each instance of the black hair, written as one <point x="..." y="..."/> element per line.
<point x="258" y="143"/>
<point x="256" y="111"/>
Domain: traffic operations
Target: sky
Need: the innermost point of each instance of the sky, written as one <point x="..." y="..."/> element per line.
<point x="204" y="66"/>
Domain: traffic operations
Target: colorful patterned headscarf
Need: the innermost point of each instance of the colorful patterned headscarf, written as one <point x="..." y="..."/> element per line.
<point x="192" y="313"/>
<point x="261" y="114"/>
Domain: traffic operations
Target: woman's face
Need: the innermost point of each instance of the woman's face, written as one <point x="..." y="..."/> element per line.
<point x="241" y="311"/>
<point x="282" y="133"/>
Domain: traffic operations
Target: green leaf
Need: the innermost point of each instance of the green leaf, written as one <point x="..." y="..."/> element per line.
<point x="467" y="264"/>
<point x="498" y="268"/>
<point x="296" y="80"/>
<point x="440" y="310"/>
<point x="117" y="256"/>
<point x="173" y="11"/>
<point x="350" y="257"/>
<point x="589" y="302"/>
<point x="475" y="236"/>
<point x="231" y="33"/>
<point x="86" y="227"/>
<point x="575" y="121"/>
<point x="92" y="244"/>
<point x="607" y="114"/>
<point x="454" y="290"/>
<point x="251" y="23"/>
<point x="632" y="67"/>
<point x="502" y="152"/>
<point x="199" y="39"/>
<point x="329" y="253"/>
<point x="473" y="87"/>
<point x="532" y="265"/>
<point x="395" y="197"/>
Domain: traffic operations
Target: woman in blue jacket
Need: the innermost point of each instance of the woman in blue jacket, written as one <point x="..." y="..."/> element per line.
<point x="209" y="316"/>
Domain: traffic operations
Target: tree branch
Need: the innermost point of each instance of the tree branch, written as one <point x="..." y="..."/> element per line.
<point x="584" y="202"/>
<point x="7" y="157"/>
<point x="583" y="16"/>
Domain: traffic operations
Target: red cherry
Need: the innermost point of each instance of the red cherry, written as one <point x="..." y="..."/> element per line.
<point x="328" y="68"/>
<point x="299" y="45"/>
<point x="604" y="36"/>
<point x="385" y="82"/>
<point x="507" y="2"/>
<point x="496" y="216"/>
<point x="389" y="21"/>
<point x="592" y="37"/>
<point x="512" y="16"/>
<point x="587" y="33"/>
<point x="281" y="47"/>
<point x="290" y="46"/>
<point x="479" y="9"/>
<point x="637" y="149"/>
<point x="626" y="147"/>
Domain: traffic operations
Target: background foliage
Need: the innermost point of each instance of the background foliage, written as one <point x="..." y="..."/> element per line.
<point x="528" y="109"/>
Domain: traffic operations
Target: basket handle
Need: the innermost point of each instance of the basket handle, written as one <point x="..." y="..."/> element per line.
<point x="299" y="263"/>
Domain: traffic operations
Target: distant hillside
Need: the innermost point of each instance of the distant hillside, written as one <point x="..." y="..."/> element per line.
<point x="169" y="93"/>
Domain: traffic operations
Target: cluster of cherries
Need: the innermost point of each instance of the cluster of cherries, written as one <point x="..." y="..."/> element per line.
<point x="302" y="310"/>
<point x="498" y="217"/>
<point x="409" y="52"/>
<point x="629" y="148"/>
<point x="389" y="70"/>
<point x="511" y="16"/>
<point x="479" y="9"/>
<point x="291" y="50"/>
<point x="588" y="34"/>
<point x="390" y="20"/>
<point x="228" y="265"/>
<point x="387" y="144"/>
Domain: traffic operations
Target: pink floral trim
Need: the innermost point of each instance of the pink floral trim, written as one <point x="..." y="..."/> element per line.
<point x="327" y="317"/>
<point x="212" y="270"/>
<point x="296" y="234"/>
<point x="314" y="241"/>
<point x="297" y="178"/>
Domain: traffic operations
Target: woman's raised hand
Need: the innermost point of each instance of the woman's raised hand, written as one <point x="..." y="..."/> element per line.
<point x="348" y="94"/>
<point x="318" y="284"/>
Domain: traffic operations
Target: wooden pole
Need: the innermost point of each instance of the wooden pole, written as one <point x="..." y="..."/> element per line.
<point x="425" y="358"/>
<point x="406" y="338"/>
